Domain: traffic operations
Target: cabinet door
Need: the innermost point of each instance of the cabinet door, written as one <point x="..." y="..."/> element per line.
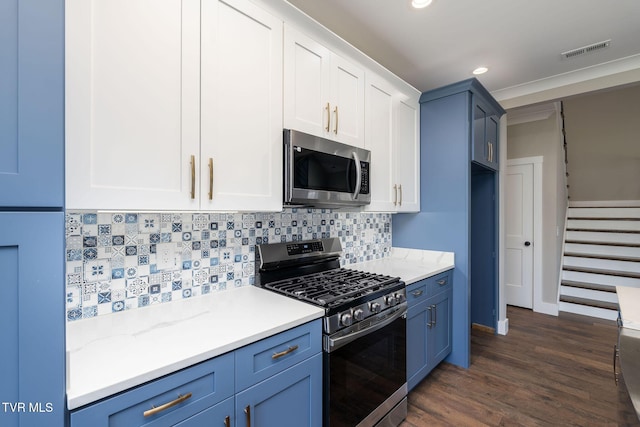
<point x="292" y="398"/>
<point x="379" y="139"/>
<point x="479" y="150"/>
<point x="31" y="319"/>
<point x="241" y="117"/>
<point x="440" y="331"/>
<point x="220" y="415"/>
<point x="31" y="103"/>
<point x="417" y="319"/>
<point x="132" y="103"/>
<point x="307" y="106"/>
<point x="407" y="154"/>
<point x="347" y="102"/>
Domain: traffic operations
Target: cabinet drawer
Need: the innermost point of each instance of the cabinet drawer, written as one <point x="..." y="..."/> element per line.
<point x="417" y="292"/>
<point x="206" y="384"/>
<point x="440" y="283"/>
<point x="269" y="356"/>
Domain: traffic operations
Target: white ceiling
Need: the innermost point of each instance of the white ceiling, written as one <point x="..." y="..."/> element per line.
<point x="519" y="41"/>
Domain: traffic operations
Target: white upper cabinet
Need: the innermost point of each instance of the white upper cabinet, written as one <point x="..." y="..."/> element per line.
<point x="392" y="136"/>
<point x="131" y="102"/>
<point x="241" y="116"/>
<point x="323" y="92"/>
<point x="157" y="90"/>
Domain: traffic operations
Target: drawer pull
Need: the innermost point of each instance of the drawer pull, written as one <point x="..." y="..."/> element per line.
<point x="193" y="177"/>
<point x="291" y="349"/>
<point x="417" y="293"/>
<point x="156" y="409"/>
<point x="210" y="178"/>
<point x="442" y="282"/>
<point x="227" y="421"/>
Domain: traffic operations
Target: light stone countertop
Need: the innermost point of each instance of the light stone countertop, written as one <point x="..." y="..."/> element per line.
<point x="411" y="265"/>
<point x="111" y="353"/>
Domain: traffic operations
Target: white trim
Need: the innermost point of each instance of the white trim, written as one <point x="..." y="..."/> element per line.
<point x="503" y="327"/>
<point x="525" y="161"/>
<point x="531" y="113"/>
<point x="605" y="204"/>
<point x="563" y="85"/>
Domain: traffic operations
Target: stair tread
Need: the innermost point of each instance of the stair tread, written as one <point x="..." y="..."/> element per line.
<point x="602" y="271"/>
<point x="604" y="257"/>
<point x="609" y="243"/>
<point x="603" y="230"/>
<point x="589" y="302"/>
<point x="590" y="286"/>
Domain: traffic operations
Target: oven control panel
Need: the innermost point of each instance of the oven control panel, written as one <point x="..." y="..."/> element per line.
<point x="304" y="248"/>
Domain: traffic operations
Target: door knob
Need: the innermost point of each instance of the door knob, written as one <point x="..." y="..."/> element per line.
<point x="527" y="243"/>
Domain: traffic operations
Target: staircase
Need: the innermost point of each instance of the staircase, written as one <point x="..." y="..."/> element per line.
<point x="601" y="251"/>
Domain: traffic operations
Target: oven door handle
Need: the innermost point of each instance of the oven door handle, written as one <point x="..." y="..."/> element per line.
<point x="332" y="344"/>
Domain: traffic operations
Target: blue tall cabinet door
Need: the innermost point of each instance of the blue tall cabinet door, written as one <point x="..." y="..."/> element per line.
<point x="31" y="103"/>
<point x="32" y="357"/>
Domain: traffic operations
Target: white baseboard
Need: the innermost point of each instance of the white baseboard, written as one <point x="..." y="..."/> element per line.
<point x="546" y="308"/>
<point x="605" y="204"/>
<point x="503" y="327"/>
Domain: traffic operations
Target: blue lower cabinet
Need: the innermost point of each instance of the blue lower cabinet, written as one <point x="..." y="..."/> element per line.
<point x="166" y="401"/>
<point x="292" y="398"/>
<point x="220" y="415"/>
<point x="429" y="325"/>
<point x="283" y="388"/>
<point x="32" y="357"/>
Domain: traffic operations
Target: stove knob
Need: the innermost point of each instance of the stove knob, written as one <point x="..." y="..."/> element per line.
<point x="399" y="298"/>
<point x="390" y="300"/>
<point x="358" y="314"/>
<point x="346" y="319"/>
<point x="374" y="307"/>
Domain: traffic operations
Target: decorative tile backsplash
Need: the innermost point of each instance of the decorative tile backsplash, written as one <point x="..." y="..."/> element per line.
<point x="124" y="260"/>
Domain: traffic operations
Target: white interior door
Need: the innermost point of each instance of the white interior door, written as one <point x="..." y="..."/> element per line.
<point x="519" y="235"/>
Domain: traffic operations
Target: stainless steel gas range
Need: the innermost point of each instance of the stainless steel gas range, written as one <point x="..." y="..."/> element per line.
<point x="364" y="329"/>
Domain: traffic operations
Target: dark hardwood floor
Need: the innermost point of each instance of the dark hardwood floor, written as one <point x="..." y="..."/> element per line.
<point x="547" y="371"/>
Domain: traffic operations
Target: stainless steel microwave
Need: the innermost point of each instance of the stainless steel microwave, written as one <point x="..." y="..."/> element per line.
<point x="323" y="173"/>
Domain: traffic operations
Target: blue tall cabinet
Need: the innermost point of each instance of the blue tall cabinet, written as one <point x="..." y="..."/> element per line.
<point x="459" y="130"/>
<point x="32" y="357"/>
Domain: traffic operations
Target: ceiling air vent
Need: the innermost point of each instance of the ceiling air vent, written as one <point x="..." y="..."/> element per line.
<point x="586" y="49"/>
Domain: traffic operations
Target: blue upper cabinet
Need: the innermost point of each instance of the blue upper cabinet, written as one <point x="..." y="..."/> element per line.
<point x="31" y="103"/>
<point x="485" y="135"/>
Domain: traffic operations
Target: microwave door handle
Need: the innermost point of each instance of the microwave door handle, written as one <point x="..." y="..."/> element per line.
<point x="358" y="176"/>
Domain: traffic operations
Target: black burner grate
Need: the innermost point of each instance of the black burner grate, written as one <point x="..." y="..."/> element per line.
<point x="333" y="287"/>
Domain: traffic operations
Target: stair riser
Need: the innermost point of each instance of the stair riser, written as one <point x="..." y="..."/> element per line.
<point x="588" y="294"/>
<point x="602" y="250"/>
<point x="604" y="213"/>
<point x="602" y="264"/>
<point x="585" y="310"/>
<point x="584" y="224"/>
<point x="600" y="279"/>
<point x="600" y="237"/>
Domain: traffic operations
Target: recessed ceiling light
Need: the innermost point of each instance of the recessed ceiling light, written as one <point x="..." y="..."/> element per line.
<point x="480" y="70"/>
<point x="419" y="4"/>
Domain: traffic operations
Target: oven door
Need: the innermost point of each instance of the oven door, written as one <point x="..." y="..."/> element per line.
<point x="365" y="370"/>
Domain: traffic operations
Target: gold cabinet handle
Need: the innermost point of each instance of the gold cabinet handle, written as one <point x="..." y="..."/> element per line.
<point x="395" y="194"/>
<point x="442" y="282"/>
<point x="247" y="410"/>
<point x="227" y="421"/>
<point x="156" y="409"/>
<point x="335" y="129"/>
<point x="417" y="293"/>
<point x="430" y="322"/>
<point x="291" y="349"/>
<point x="328" y="107"/>
<point x="400" y="191"/>
<point x="193" y="177"/>
<point x="210" y="178"/>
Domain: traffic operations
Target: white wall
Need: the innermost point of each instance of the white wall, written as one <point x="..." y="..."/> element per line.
<point x="543" y="138"/>
<point x="603" y="137"/>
